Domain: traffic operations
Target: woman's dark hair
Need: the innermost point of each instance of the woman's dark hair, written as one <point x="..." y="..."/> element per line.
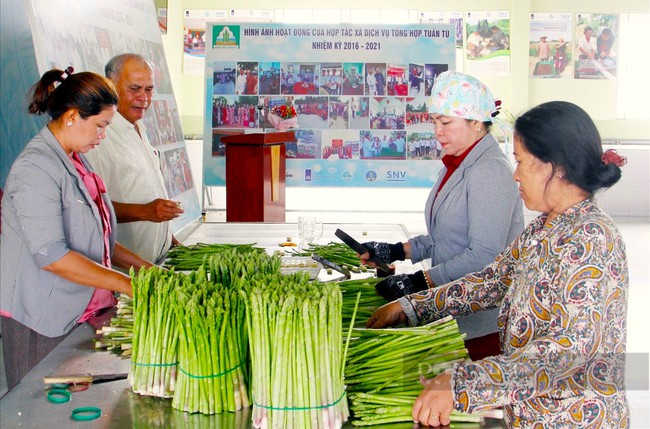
<point x="561" y="133"/>
<point x="87" y="92"/>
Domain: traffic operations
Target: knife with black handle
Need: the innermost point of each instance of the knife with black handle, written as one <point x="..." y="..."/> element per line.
<point x="360" y="249"/>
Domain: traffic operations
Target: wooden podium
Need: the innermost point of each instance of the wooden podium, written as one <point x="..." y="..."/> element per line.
<point x="255" y="176"/>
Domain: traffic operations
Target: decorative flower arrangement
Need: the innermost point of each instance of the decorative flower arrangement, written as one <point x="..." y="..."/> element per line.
<point x="285" y="111"/>
<point x="283" y="117"/>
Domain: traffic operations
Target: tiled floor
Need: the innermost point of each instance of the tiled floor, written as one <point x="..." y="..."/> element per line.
<point x="636" y="233"/>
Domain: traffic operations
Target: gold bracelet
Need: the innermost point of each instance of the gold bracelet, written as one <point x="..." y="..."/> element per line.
<point x="426" y="279"/>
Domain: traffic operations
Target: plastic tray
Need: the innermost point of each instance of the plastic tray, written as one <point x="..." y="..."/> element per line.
<point x="294" y="264"/>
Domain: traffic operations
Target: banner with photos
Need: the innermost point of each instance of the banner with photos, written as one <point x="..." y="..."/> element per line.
<point x="361" y="93"/>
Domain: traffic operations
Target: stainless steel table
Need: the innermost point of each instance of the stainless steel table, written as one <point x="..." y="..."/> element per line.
<point x="26" y="405"/>
<point x="270" y="235"/>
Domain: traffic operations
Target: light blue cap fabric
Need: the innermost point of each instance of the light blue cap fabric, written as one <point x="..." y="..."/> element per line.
<point x="462" y="96"/>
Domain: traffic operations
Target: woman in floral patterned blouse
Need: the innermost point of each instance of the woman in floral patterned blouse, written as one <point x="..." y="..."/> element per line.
<point x="562" y="288"/>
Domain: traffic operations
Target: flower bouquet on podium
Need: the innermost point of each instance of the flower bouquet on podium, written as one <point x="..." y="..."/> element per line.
<point x="283" y="117"/>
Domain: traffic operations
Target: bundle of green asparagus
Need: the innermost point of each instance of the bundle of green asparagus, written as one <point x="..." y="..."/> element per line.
<point x="338" y="253"/>
<point x="212" y="357"/>
<point x="213" y="337"/>
<point x="296" y="353"/>
<point x="154" y="354"/>
<point x="191" y="257"/>
<point x="118" y="335"/>
<point x="368" y="302"/>
<point x="384" y="366"/>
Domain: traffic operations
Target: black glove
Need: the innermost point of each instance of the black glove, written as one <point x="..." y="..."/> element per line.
<point x="399" y="285"/>
<point x="385" y="251"/>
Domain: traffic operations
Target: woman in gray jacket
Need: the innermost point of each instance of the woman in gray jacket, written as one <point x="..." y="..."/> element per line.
<point x="58" y="226"/>
<point x="473" y="211"/>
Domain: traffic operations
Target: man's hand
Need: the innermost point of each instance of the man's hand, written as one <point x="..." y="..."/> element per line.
<point x="158" y="210"/>
<point x="176" y="242"/>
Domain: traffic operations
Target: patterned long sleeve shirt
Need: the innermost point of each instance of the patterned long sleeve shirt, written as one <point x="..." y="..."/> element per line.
<point x="563" y="290"/>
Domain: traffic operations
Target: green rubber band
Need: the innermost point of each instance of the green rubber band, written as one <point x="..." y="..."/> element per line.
<point x="58" y="396"/>
<point x="86" y="413"/>
<point x="317" y="407"/>
<point x="154" y="364"/>
<point x="221" y="374"/>
<point x="60" y="386"/>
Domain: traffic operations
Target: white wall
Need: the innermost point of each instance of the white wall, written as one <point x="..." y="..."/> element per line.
<point x="631" y="195"/>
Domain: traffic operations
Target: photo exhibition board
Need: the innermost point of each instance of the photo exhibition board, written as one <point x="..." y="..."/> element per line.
<point x="361" y="93"/>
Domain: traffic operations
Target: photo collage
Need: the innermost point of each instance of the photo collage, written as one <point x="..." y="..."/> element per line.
<point x="346" y="110"/>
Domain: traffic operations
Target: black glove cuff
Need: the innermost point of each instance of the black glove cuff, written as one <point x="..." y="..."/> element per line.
<point x="419" y="281"/>
<point x="399" y="285"/>
<point x="397" y="252"/>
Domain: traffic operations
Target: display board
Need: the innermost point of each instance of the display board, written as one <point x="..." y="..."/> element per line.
<point x="550" y="42"/>
<point x="487" y="43"/>
<point x="18" y="73"/>
<point x="86" y="35"/>
<point x="361" y="91"/>
<point x="596" y="46"/>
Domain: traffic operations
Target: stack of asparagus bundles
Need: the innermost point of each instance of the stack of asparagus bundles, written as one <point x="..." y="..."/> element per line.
<point x="384" y="366"/>
<point x="117" y="336"/>
<point x="296" y="353"/>
<point x="154" y="353"/>
<point x="213" y="338"/>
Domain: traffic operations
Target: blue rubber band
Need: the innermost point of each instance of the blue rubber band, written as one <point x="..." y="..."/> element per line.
<point x="221" y="374"/>
<point x="317" y="407"/>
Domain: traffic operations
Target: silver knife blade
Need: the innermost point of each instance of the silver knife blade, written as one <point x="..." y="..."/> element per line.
<point x="332" y="265"/>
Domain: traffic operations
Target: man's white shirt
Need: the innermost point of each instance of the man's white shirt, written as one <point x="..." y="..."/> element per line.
<point x="130" y="168"/>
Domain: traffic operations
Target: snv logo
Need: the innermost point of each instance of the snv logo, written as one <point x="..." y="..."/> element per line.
<point x="396" y="176"/>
